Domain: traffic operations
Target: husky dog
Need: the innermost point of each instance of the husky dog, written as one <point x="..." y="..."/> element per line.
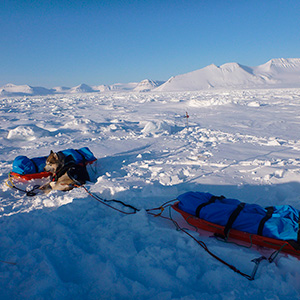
<point x="64" y="171"/>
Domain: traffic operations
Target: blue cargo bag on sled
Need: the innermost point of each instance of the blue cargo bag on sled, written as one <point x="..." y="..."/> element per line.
<point x="277" y="222"/>
<point x="23" y="165"/>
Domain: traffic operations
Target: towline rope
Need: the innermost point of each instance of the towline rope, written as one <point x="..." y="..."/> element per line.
<point x="29" y="193"/>
<point x="256" y="261"/>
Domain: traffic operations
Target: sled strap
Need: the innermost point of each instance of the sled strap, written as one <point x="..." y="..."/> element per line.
<point x="298" y="236"/>
<point x="211" y="200"/>
<point x="35" y="166"/>
<point x="267" y="217"/>
<point x="61" y="155"/>
<point x="83" y="157"/>
<point x="232" y="218"/>
<point x="293" y="243"/>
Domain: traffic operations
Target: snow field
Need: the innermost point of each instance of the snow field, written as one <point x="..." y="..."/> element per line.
<point x="241" y="144"/>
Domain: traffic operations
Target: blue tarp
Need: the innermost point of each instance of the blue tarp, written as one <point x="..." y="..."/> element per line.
<point x="283" y="224"/>
<point x="24" y="165"/>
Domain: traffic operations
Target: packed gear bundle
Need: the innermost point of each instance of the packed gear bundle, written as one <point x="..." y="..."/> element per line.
<point x="27" y="169"/>
<point x="76" y="162"/>
<point x="274" y="227"/>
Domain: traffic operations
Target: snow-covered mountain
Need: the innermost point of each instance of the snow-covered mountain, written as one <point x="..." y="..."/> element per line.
<point x="276" y="73"/>
<point x="82" y="88"/>
<point x="284" y="72"/>
<point x="23" y="90"/>
<point x="212" y="76"/>
<point x="147" y="85"/>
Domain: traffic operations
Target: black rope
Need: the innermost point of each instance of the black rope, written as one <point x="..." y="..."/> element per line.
<point x="256" y="261"/>
<point x="120" y="202"/>
<point x="105" y="202"/>
<point x="29" y="193"/>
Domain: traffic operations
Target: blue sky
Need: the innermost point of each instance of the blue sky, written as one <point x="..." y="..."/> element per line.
<point x="65" y="43"/>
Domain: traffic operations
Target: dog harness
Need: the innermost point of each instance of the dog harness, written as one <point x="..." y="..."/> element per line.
<point x="76" y="172"/>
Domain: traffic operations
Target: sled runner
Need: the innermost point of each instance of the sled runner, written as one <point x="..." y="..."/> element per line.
<point x="275" y="227"/>
<point x="26" y="169"/>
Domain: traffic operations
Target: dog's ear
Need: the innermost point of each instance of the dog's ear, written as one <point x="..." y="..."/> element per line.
<point x="54" y="154"/>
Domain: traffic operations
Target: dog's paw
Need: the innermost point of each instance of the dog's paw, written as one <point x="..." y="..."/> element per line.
<point x="45" y="187"/>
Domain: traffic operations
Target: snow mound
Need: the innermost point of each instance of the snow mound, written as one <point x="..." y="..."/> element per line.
<point x="254" y="104"/>
<point x="26" y="133"/>
<point x="84" y="125"/>
<point x="159" y="127"/>
<point x="208" y="102"/>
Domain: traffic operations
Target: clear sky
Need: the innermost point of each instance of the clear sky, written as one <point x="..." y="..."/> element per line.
<point x="68" y="42"/>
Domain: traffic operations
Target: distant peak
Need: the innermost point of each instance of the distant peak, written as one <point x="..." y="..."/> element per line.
<point x="284" y="62"/>
<point x="230" y="66"/>
<point x="146" y="80"/>
<point x="83" y="85"/>
<point x="211" y="66"/>
<point x="11" y="85"/>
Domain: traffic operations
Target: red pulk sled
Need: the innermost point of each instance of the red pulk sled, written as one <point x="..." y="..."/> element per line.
<point x="265" y="223"/>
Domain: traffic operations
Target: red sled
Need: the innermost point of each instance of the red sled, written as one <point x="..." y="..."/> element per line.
<point x="246" y="237"/>
<point x="41" y="175"/>
<point x="28" y="177"/>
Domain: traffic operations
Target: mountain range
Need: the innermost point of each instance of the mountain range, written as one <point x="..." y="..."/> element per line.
<point x="276" y="73"/>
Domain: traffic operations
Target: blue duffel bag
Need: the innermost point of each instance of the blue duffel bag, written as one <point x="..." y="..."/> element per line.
<point x="278" y="222"/>
<point x="24" y="165"/>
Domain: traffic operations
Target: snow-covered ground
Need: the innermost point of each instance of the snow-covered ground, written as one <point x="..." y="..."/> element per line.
<point x="66" y="245"/>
